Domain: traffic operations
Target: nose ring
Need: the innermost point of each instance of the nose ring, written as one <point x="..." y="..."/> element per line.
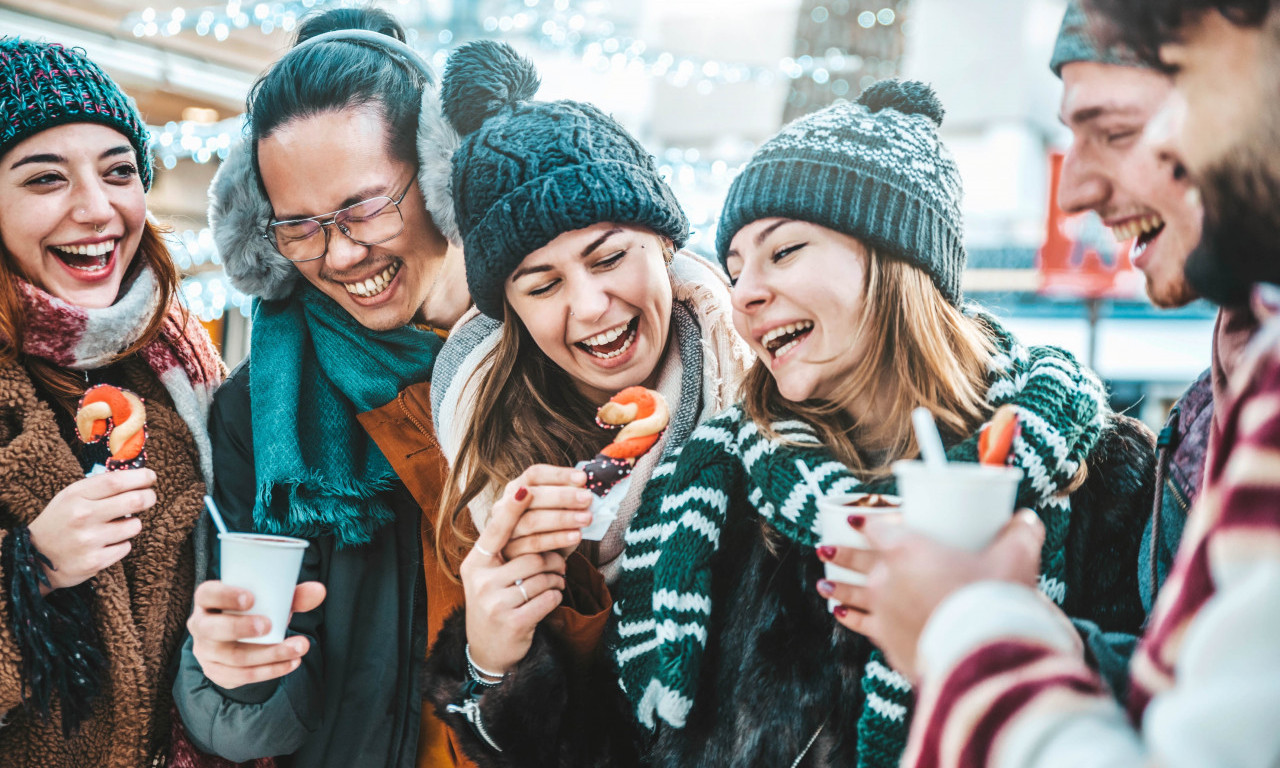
<point x="571" y="313"/>
<point x="99" y="228"/>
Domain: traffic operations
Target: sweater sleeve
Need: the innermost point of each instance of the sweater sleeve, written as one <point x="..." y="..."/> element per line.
<point x="1005" y="682"/>
<point x="262" y="719"/>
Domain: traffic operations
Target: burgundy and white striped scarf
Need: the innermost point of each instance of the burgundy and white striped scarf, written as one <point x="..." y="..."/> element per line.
<point x="82" y="339"/>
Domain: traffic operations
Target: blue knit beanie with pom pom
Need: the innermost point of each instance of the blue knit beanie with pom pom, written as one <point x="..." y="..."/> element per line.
<point x="527" y="172"/>
<point x="874" y="170"/>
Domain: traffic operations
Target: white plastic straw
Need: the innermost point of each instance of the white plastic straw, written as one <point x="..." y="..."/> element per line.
<point x="810" y="479"/>
<point x="931" y="449"/>
<point x="213" y="512"/>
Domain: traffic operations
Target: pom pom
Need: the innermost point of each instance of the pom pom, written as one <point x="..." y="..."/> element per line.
<point x="481" y="79"/>
<point x="910" y="97"/>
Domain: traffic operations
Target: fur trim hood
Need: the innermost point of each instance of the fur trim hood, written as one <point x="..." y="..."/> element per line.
<point x="239" y="210"/>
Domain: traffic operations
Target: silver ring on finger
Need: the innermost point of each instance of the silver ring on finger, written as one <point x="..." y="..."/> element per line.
<point x="520" y="586"/>
<point x="486" y="552"/>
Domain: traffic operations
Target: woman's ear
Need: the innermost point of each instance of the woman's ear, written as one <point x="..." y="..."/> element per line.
<point x="668" y="250"/>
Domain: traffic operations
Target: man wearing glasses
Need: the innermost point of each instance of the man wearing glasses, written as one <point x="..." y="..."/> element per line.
<point x="357" y="282"/>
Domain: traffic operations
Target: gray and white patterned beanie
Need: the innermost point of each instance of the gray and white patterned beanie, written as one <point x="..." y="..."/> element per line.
<point x="875" y="170"/>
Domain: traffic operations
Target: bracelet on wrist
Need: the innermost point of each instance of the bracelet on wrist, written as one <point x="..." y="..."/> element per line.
<point x="481" y="675"/>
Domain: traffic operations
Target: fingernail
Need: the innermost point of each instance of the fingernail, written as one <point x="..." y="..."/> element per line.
<point x="573" y="536"/>
<point x="857" y="521"/>
<point x="840" y="611"/>
<point x="825" y="588"/>
<point x="579" y="478"/>
<point x="582" y="517"/>
<point x="521" y="492"/>
<point x="826" y="552"/>
<point x="584" y="497"/>
<point x="242" y="600"/>
<point x="259" y="627"/>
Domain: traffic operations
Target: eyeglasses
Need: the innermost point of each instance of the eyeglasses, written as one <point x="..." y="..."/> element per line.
<point x="368" y="222"/>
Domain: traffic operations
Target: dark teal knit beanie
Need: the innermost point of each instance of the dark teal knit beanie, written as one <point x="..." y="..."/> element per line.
<point x="1077" y="42"/>
<point x="527" y="172"/>
<point x="874" y="170"/>
<point x="44" y="85"/>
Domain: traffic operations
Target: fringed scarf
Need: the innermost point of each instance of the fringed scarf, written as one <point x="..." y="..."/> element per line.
<point x="728" y="466"/>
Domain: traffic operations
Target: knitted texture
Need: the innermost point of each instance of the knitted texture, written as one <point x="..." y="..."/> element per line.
<point x="874" y="170"/>
<point x="44" y="85"/>
<point x="314" y="369"/>
<point x="729" y="467"/>
<point x="527" y="172"/>
<point x="1077" y="42"/>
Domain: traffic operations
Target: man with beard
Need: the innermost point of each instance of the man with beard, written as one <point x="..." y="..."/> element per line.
<point x="1140" y="192"/>
<point x="1003" y="678"/>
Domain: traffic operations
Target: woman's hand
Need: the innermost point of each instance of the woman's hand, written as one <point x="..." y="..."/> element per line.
<point x="915" y="574"/>
<point x="554" y="514"/>
<point x="216" y="635"/>
<point x="506" y="598"/>
<point x="87" y="527"/>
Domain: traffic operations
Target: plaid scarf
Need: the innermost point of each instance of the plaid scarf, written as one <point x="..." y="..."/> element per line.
<point x="81" y="339"/>
<point x="729" y="466"/>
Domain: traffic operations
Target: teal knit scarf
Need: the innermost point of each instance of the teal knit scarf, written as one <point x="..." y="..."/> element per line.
<point x="663" y="600"/>
<point x="313" y="368"/>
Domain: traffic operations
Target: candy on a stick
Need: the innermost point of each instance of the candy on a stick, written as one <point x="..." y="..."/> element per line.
<point x="117" y="416"/>
<point x="642" y="415"/>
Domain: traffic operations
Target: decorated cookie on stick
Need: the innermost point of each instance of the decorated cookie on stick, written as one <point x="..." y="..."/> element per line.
<point x="642" y="415"/>
<point x="117" y="417"/>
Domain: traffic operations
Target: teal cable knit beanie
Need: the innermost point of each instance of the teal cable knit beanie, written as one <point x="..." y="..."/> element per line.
<point x="874" y="170"/>
<point x="1077" y="42"/>
<point x="44" y="85"/>
<point x="527" y="172"/>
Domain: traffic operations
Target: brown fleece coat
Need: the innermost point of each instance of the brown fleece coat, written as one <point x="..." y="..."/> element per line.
<point x="141" y="603"/>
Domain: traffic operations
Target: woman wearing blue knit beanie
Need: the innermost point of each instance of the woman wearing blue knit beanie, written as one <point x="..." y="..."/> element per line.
<point x="570" y="238"/>
<point x="98" y="504"/>
<point x="842" y="236"/>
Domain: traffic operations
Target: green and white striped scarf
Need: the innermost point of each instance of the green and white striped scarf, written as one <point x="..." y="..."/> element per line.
<point x="663" y="600"/>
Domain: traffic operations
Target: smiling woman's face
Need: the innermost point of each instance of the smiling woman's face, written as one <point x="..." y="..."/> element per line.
<point x="797" y="300"/>
<point x="72" y="211"/>
<point x="597" y="302"/>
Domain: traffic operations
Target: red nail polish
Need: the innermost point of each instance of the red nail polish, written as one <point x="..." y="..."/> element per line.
<point x="521" y="493"/>
<point x="840" y="611"/>
<point x="825" y="588"/>
<point x="857" y="521"/>
<point x="826" y="552"/>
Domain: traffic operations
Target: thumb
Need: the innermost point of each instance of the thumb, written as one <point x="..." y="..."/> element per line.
<point x="307" y="596"/>
<point x="1019" y="541"/>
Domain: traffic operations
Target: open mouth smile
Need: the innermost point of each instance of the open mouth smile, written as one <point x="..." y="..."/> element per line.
<point x="373" y="286"/>
<point x="1144" y="228"/>
<point x="613" y="342"/>
<point x="89" y="258"/>
<point x="785" y="338"/>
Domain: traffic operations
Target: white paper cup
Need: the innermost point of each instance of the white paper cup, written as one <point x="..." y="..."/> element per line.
<point x="268" y="566"/>
<point x="833" y="522"/>
<point x="962" y="505"/>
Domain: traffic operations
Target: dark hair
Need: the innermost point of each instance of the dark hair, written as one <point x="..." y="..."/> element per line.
<point x="1145" y="25"/>
<point x="340" y="74"/>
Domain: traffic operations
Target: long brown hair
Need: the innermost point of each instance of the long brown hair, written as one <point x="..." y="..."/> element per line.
<point x="68" y="386"/>
<point x="527" y="411"/>
<point x="919" y="350"/>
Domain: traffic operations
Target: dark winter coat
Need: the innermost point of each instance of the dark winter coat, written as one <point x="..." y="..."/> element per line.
<point x="768" y="684"/>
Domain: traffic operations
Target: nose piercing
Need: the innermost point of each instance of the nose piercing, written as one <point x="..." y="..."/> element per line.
<point x="571" y="313"/>
<point x="99" y="229"/>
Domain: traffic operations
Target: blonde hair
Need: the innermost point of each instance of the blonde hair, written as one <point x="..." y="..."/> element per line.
<point x="527" y="411"/>
<point x="920" y="350"/>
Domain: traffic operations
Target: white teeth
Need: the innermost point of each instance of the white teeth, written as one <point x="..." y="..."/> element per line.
<point x="608" y="336"/>
<point x="94" y="249"/>
<point x="374" y="285"/>
<point x="610" y="355"/>
<point x="784" y="330"/>
<point x="785" y="348"/>
<point x="1135" y="227"/>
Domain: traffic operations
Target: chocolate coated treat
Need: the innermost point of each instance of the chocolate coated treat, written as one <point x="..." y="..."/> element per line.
<point x="603" y="472"/>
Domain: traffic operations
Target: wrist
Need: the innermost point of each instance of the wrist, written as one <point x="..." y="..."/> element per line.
<point x="484" y="675"/>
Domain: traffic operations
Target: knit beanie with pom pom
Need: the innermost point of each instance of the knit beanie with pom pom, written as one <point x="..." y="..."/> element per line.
<point x="527" y="172"/>
<point x="874" y="169"/>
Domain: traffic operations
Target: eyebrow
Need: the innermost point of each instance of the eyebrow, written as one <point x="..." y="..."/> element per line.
<point x="1091" y="113"/>
<point x="761" y="235"/>
<point x="359" y="196"/>
<point x="123" y="149"/>
<point x="537" y="268"/>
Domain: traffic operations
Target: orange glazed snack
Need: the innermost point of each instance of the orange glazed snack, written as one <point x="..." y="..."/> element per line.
<point x="118" y="416"/>
<point x="643" y="414"/>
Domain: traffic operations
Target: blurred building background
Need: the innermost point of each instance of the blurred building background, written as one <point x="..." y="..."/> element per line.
<point x="701" y="82"/>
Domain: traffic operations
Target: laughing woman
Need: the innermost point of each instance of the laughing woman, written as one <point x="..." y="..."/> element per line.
<point x="842" y="236"/>
<point x="96" y="573"/>
<point x="570" y="237"/>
